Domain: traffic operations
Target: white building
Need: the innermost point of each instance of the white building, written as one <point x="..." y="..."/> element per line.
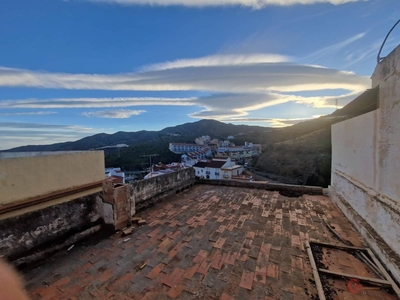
<point x="203" y="140"/>
<point x="236" y="152"/>
<point x="217" y="169"/>
<point x="192" y="150"/>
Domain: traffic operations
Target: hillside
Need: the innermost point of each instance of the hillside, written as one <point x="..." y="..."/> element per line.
<point x="301" y="154"/>
<point x="188" y="132"/>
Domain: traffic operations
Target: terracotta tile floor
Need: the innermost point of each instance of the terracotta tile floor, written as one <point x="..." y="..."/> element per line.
<point x="209" y="242"/>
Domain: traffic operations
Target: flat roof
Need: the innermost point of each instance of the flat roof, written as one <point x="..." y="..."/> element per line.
<point x="210" y="242"/>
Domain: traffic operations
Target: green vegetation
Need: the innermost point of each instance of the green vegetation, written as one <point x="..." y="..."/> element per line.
<point x="302" y="160"/>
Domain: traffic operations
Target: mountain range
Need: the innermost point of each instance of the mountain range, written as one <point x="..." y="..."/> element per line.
<point x="297" y="154"/>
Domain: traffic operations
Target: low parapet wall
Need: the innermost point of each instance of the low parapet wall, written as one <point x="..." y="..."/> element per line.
<point x="122" y="201"/>
<point x="284" y="189"/>
<point x="28" y="237"/>
<point x="146" y="192"/>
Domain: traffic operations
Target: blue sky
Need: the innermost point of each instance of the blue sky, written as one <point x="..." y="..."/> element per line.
<point x="70" y="69"/>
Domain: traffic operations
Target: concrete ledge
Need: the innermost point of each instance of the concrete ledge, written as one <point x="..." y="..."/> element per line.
<point x="381" y="249"/>
<point x="287" y="190"/>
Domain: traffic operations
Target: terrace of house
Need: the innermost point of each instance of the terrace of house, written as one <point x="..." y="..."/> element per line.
<point x="209" y="242"/>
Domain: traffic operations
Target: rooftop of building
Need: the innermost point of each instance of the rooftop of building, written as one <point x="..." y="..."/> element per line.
<point x="187" y="144"/>
<point x="209" y="242"/>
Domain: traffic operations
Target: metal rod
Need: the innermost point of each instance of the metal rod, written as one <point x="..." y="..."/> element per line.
<point x="318" y="283"/>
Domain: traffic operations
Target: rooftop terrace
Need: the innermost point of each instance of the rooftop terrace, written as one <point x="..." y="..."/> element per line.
<point x="210" y="242"/>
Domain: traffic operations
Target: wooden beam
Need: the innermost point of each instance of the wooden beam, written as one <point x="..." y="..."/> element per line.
<point x="385" y="273"/>
<point x="362" y="278"/>
<point x="318" y="283"/>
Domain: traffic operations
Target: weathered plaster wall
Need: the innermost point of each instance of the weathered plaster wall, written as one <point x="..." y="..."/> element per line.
<point x="387" y="76"/>
<point x="366" y="165"/>
<point x="26" y="177"/>
<point x="146" y="192"/>
<point x="34" y="231"/>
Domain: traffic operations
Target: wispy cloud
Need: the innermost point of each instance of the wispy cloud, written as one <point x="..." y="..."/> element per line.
<point x="114" y="114"/>
<point x="237" y="85"/>
<point x="234" y="78"/>
<point x="217" y="106"/>
<point x="29" y="113"/>
<point x="313" y="57"/>
<point x="219" y="60"/>
<point x="95" y="102"/>
<point x="368" y="51"/>
<point x="39" y="126"/>
<point x="256" y="4"/>
<point x="14" y="134"/>
<point x="273" y="122"/>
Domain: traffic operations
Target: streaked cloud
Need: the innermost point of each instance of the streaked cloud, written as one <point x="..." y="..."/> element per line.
<point x="28" y="113"/>
<point x="328" y="51"/>
<point x="273" y="122"/>
<point x="219" y="60"/>
<point x="94" y="102"/>
<point x="256" y="4"/>
<point x="39" y="126"/>
<point x="216" y="106"/>
<point x="235" y="105"/>
<point x="14" y="134"/>
<point x="235" y="78"/>
<point x="114" y="114"/>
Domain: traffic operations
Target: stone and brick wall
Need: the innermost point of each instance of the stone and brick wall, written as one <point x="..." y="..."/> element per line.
<point x="37" y="230"/>
<point x="119" y="197"/>
<point x="125" y="199"/>
<point x="147" y="192"/>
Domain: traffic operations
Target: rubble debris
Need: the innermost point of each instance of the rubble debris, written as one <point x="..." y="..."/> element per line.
<point x="142" y="222"/>
<point x="125" y="240"/>
<point x="142" y="266"/>
<point x="315" y="252"/>
<point x="70" y="248"/>
<point x="128" y="230"/>
<point x="136" y="220"/>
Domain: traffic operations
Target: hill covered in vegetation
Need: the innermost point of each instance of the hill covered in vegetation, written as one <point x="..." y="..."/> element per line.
<point x="298" y="154"/>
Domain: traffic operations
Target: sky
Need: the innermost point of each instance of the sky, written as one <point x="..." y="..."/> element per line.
<point x="74" y="68"/>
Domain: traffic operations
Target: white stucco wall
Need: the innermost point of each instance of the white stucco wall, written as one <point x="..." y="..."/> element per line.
<point x="366" y="157"/>
<point x="387" y="76"/>
<point x="354" y="148"/>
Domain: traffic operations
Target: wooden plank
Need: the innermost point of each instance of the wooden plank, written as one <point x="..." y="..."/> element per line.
<point x="385" y="273"/>
<point x="346" y="248"/>
<point x="362" y="278"/>
<point x="318" y="283"/>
